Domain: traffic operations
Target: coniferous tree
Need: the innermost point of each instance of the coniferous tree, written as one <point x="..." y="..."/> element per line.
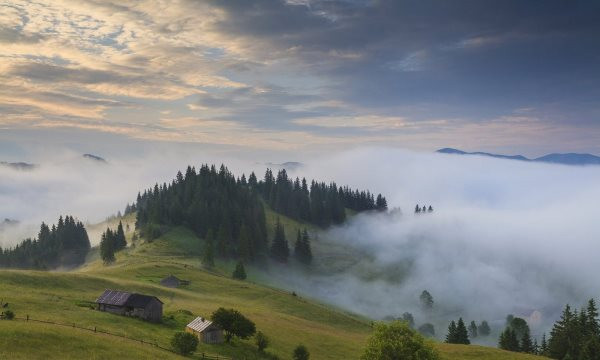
<point x="526" y="344"/>
<point x="208" y="252"/>
<point x="451" y="337"/>
<point x="462" y="335"/>
<point x="543" y="346"/>
<point x="107" y="247"/>
<point x="426" y="300"/>
<point x="508" y="340"/>
<point x="472" y="330"/>
<point x="120" y="241"/>
<point x="240" y="272"/>
<point x="302" y="250"/>
<point x="484" y="329"/>
<point x="279" y="248"/>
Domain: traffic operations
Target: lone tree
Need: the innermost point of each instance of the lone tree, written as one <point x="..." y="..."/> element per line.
<point x="426" y="300"/>
<point x="261" y="340"/>
<point x="239" y="273"/>
<point x="398" y="341"/>
<point x="233" y="323"/>
<point x="184" y="343"/>
<point x="120" y="241"/>
<point x="300" y="353"/>
<point x="409" y="319"/>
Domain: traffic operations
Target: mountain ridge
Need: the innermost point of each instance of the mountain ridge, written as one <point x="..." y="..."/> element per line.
<point x="579" y="159"/>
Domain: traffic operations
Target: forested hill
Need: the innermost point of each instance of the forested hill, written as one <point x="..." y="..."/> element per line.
<point x="217" y="205"/>
<point x="63" y="245"/>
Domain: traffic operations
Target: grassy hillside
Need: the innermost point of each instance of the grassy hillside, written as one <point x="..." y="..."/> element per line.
<point x="67" y="297"/>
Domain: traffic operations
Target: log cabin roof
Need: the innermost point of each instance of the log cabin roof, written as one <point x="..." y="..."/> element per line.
<point x="124" y="298"/>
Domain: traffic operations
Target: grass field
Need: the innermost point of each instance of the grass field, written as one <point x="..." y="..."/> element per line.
<point x="67" y="297"/>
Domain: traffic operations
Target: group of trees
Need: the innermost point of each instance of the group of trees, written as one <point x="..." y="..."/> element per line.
<point x="576" y="335"/>
<point x="317" y="203"/>
<point x="211" y="202"/>
<point x="516" y="336"/>
<point x="457" y="333"/>
<point x="111" y="242"/>
<point x="65" y="244"/>
<point x="423" y="209"/>
<point x="280" y="249"/>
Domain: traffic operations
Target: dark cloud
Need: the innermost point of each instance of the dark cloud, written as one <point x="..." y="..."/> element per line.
<point x="482" y="58"/>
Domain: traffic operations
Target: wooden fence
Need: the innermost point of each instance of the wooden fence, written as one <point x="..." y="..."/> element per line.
<point x="104" y="332"/>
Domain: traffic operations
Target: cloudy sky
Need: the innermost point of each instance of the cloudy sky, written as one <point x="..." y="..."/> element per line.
<point x="300" y="75"/>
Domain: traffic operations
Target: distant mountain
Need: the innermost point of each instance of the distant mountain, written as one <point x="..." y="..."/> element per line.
<point x="290" y="165"/>
<point x="18" y="165"/>
<point x="94" y="157"/>
<point x="571" y="159"/>
<point x="565" y="159"/>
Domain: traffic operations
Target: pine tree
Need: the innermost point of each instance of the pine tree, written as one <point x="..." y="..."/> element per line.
<point x="473" y="330"/>
<point x="526" y="344"/>
<point x="484" y="329"/>
<point x="240" y="272"/>
<point x="508" y="340"/>
<point x="279" y="248"/>
<point x="426" y="300"/>
<point x="107" y="247"/>
<point x="208" y="253"/>
<point x="451" y="337"/>
<point x="462" y="335"/>
<point x="544" y="346"/>
<point x="120" y="241"/>
<point x="593" y="326"/>
<point x="302" y="250"/>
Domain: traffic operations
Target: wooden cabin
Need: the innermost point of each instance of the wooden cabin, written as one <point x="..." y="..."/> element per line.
<point x="205" y="330"/>
<point x="124" y="303"/>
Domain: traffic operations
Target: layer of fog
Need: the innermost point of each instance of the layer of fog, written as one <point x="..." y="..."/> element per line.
<point x="505" y="237"/>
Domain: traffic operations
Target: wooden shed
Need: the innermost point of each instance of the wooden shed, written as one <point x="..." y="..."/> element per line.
<point x="205" y="330"/>
<point x="173" y="281"/>
<point x="145" y="307"/>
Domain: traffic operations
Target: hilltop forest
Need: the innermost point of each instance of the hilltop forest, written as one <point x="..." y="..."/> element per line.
<point x="229" y="211"/>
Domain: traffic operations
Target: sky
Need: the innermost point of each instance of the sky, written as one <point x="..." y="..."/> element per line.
<point x="298" y="76"/>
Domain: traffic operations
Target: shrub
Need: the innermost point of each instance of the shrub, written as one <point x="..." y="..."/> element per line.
<point x="262" y="341"/>
<point x="398" y="341"/>
<point x="9" y="315"/>
<point x="184" y="343"/>
<point x="300" y="353"/>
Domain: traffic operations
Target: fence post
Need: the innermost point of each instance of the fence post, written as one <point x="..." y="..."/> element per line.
<point x="27" y="317"/>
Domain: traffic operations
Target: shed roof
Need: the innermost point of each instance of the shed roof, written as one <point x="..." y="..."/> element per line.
<point x="124" y="298"/>
<point x="199" y="324"/>
<point x="170" y="281"/>
<point x="113" y="297"/>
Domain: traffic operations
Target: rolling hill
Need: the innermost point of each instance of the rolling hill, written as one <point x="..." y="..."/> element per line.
<point x="67" y="298"/>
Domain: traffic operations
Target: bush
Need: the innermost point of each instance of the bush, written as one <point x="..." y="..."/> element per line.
<point x="398" y="341"/>
<point x="300" y="353"/>
<point x="262" y="341"/>
<point x="184" y="343"/>
<point x="9" y="315"/>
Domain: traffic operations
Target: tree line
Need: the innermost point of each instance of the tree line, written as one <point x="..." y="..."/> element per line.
<point x="228" y="212"/>
<point x="320" y="203"/>
<point x="65" y="244"/>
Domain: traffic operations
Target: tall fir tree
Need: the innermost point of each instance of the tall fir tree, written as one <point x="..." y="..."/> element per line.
<point x="280" y="250"/>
